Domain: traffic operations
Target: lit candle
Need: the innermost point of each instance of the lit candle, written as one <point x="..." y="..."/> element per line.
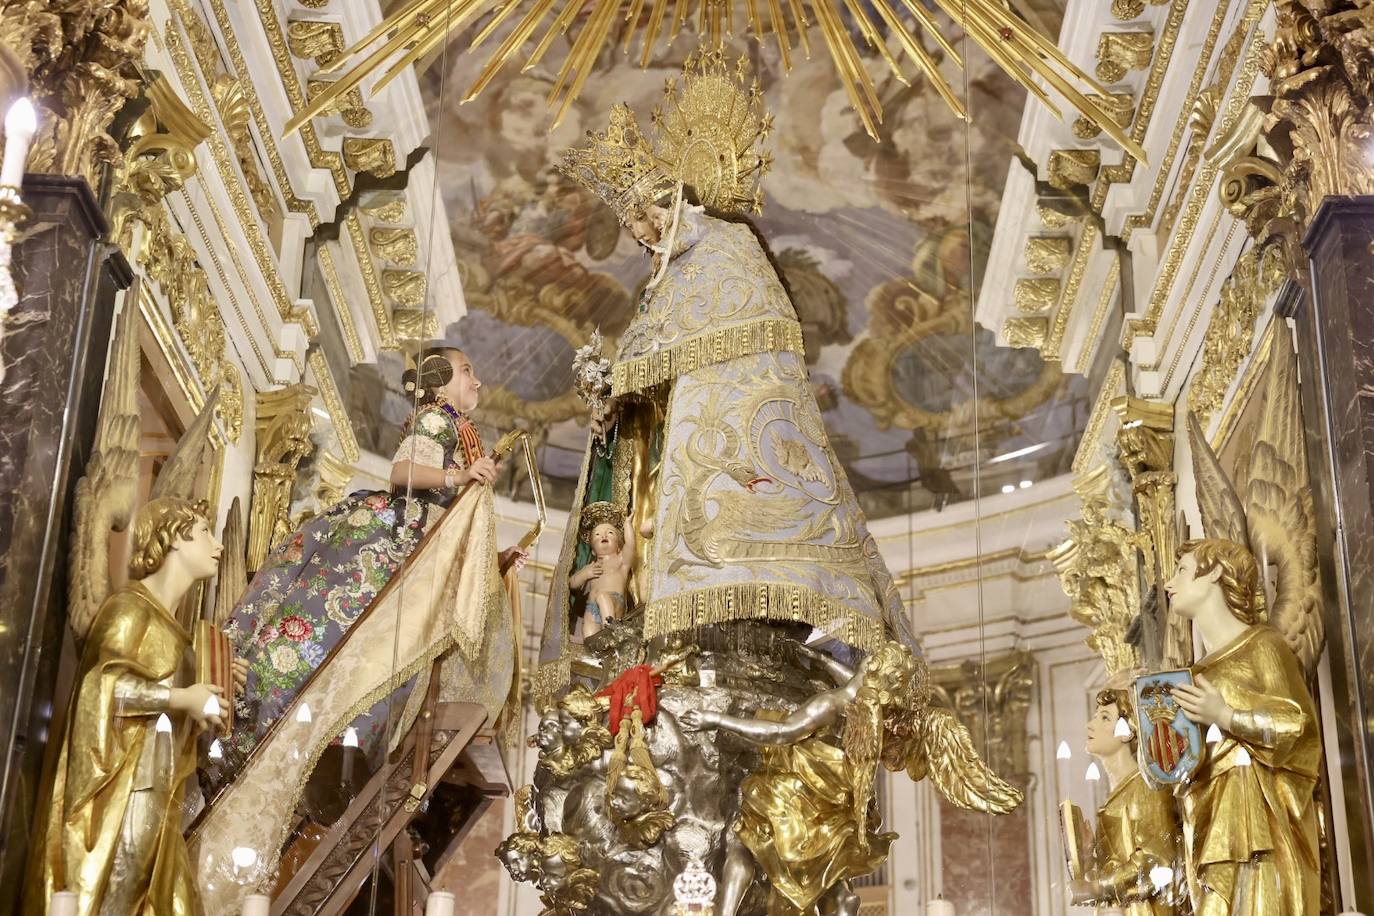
<point x="440" y="903"/>
<point x="939" y="907"/>
<point x="63" y="904"/>
<point x="21" y="123"/>
<point x="257" y="905"/>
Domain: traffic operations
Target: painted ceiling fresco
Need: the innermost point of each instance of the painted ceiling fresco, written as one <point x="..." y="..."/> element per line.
<point x="873" y="240"/>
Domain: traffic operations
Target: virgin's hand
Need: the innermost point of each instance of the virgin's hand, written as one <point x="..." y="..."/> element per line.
<point x="512" y="558"/>
<point x="482" y="471"/>
<point x="1203" y="703"/>
<point x="694" y="720"/>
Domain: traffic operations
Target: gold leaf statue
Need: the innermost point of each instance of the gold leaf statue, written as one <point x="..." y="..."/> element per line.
<point x="1276" y="520"/>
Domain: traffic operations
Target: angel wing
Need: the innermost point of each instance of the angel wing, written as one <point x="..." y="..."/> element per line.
<point x="105" y="495"/>
<point x="178" y="475"/>
<point x="944" y="751"/>
<point x="1278" y="503"/>
<point x="233" y="566"/>
<point x="1223" y="516"/>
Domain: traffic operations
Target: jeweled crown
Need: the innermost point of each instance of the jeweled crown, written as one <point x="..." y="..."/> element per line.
<point x="707" y="134"/>
<point x="618" y="165"/>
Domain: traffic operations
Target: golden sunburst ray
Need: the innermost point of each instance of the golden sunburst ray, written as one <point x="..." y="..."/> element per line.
<point x="1028" y="57"/>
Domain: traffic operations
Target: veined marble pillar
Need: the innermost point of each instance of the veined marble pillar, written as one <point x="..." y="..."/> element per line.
<point x="1336" y="349"/>
<point x="54" y="354"/>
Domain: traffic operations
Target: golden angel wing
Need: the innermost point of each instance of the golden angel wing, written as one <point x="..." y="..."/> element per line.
<point x="232" y="580"/>
<point x="105" y="495"/>
<point x="1222" y="513"/>
<point x="944" y="751"/>
<point x="178" y="475"/>
<point x="1278" y="503"/>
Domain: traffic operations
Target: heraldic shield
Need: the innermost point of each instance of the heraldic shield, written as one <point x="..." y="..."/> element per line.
<point x="1170" y="746"/>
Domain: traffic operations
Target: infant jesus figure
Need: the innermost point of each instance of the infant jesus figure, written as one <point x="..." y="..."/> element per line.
<point x="606" y="578"/>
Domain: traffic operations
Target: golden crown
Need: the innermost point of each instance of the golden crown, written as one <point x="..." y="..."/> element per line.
<point x="706" y="134"/>
<point x="618" y="166"/>
<point x="708" y="131"/>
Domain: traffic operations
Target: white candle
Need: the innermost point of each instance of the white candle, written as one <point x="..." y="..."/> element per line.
<point x="63" y="904"/>
<point x="440" y="903"/>
<point x="257" y="905"/>
<point x="939" y="907"/>
<point x="21" y="122"/>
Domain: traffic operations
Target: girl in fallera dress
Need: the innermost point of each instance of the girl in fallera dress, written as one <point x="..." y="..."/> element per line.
<point x="317" y="583"/>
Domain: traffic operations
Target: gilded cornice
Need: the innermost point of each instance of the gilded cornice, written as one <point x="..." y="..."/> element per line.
<point x="1120" y="105"/>
<point x="1231" y="331"/>
<point x="1206" y="297"/>
<point x="1104" y="301"/>
<point x="338" y="415"/>
<point x="1086" y="245"/>
<point x="350" y="106"/>
<point x="1118" y="53"/>
<point x="234" y="186"/>
<point x="370" y="280"/>
<point x="1046" y="254"/>
<point x="1025" y="332"/>
<point x="330" y="272"/>
<point x="1090" y="444"/>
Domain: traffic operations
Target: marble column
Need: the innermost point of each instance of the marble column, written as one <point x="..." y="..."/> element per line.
<point x="1336" y="351"/>
<point x="54" y="355"/>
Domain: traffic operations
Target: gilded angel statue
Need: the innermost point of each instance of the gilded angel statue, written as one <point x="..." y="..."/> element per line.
<point x="1250" y="815"/>
<point x="807" y="815"/>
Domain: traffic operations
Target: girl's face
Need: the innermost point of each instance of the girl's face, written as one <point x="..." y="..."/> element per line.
<point x="462" y="389"/>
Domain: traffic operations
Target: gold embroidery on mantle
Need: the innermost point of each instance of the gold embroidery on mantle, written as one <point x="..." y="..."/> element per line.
<point x="769" y="335"/>
<point x="761" y="601"/>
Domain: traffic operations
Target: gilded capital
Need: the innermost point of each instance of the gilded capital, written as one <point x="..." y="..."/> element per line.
<point x="1026" y="332"/>
<point x="1035" y="295"/>
<point x="399" y="246"/>
<point x="1118" y="53"/>
<point x="405" y="287"/>
<point x="1046" y="254"/>
<point x="316" y="40"/>
<point x="376" y="155"/>
<point x="1070" y="168"/>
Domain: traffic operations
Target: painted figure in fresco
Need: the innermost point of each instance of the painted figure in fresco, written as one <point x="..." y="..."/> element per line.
<point x="113" y="821"/>
<point x="1249" y="814"/>
<point x="712" y="442"/>
<point x="317" y="583"/>
<point x="807" y="818"/>
<point x="606" y="579"/>
<point x="1137" y="829"/>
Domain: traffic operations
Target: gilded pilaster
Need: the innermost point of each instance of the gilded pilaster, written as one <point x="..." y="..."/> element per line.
<point x="283" y="439"/>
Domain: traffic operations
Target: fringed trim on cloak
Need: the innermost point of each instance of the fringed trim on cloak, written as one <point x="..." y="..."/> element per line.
<point x="766" y="335"/>
<point x="762" y="601"/>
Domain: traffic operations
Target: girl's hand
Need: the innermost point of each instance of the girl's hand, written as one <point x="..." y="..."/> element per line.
<point x="240" y="667"/>
<point x="512" y="558"/>
<point x="482" y="471"/>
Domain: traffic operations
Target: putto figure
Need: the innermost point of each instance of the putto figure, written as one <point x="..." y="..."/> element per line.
<point x="113" y="821"/>
<point x="606" y="579"/>
<point x="1249" y="813"/>
<point x="807" y="816"/>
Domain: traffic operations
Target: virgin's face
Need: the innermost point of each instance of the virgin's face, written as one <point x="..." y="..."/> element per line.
<point x="462" y="389"/>
<point x="647" y="225"/>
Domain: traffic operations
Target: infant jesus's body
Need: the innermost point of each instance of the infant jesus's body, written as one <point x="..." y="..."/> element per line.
<point x="606" y="578"/>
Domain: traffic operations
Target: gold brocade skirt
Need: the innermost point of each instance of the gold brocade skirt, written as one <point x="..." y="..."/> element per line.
<point x="797" y="818"/>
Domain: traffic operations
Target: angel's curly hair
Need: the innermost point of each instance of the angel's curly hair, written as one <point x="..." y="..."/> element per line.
<point x="1239" y="579"/>
<point x="158" y="525"/>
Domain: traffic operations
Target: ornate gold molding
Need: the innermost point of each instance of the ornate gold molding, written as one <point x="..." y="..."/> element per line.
<point x="338" y="414"/>
<point x="1087" y="243"/>
<point x="415" y="325"/>
<point x="1145" y="448"/>
<point x="1046" y="254"/>
<point x="160" y="159"/>
<point x="171" y="263"/>
<point x="1097" y="569"/>
<point x="316" y="40"/>
<point x="375" y="155"/>
<point x="1118" y="53"/>
<point x="1231" y="331"/>
<point x="1119" y="105"/>
<point x="1025" y="332"/>
<point x="334" y="477"/>
<point x="1071" y="168"/>
<point x="1127" y="9"/>
<point x="390" y="208"/>
<point x="283" y="439"/>
<point x="1035" y="295"/>
<point x="399" y="246"/>
<point x="82" y="61"/>
<point x="405" y="288"/>
<point x="350" y="106"/>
